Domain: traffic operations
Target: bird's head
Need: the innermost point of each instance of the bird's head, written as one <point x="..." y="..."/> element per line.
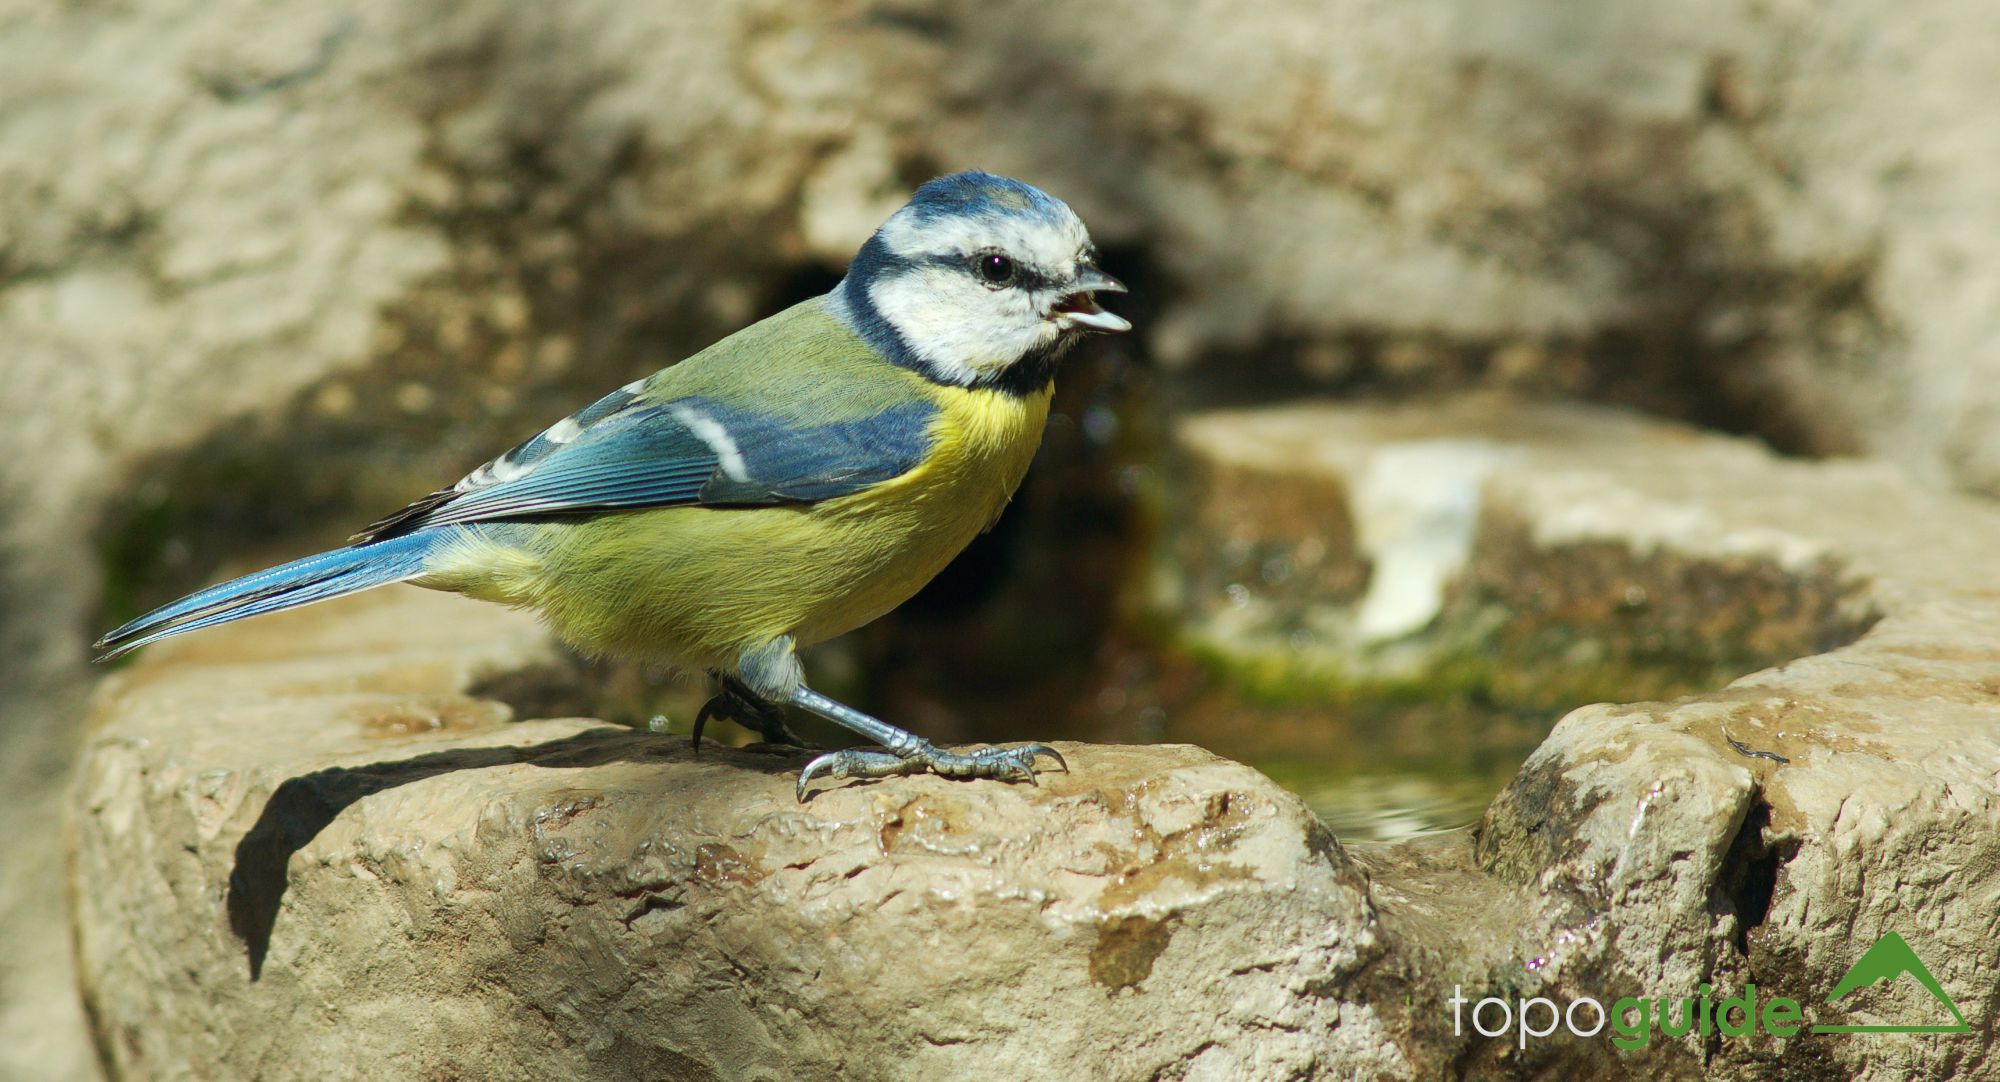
<point x="978" y="281"/>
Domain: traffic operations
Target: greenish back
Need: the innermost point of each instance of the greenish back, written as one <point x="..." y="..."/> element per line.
<point x="802" y="365"/>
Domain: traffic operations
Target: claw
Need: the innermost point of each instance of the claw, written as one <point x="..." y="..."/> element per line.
<point x="1033" y="751"/>
<point x="1006" y="764"/>
<point x="708" y="710"/>
<point x="812" y="771"/>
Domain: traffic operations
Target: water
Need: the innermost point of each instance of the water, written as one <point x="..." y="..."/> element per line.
<point x="1372" y="771"/>
<point x="1384" y="807"/>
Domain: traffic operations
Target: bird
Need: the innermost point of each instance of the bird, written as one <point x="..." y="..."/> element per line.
<point x="789" y="483"/>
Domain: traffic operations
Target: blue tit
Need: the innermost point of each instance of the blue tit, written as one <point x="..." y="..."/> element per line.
<point x="789" y="483"/>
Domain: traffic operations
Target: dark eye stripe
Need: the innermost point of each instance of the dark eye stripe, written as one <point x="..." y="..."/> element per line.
<point x="1031" y="279"/>
<point x="1025" y="276"/>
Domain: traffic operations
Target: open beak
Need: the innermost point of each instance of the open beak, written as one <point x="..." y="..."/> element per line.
<point x="1079" y="307"/>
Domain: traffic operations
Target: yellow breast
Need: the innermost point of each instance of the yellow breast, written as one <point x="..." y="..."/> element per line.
<point x="696" y="586"/>
<point x="900" y="534"/>
<point x="982" y="442"/>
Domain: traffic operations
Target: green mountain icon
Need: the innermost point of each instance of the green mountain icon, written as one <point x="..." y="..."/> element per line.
<point x="1889" y="959"/>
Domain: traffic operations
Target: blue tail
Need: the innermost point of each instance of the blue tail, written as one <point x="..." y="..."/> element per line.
<point x="301" y="582"/>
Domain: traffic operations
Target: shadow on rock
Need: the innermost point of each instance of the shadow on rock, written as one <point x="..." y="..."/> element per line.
<point x="303" y="806"/>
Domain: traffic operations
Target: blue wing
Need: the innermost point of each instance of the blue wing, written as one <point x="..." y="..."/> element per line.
<point x="624" y="453"/>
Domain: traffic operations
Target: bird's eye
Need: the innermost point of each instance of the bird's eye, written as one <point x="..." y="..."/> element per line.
<point x="995" y="269"/>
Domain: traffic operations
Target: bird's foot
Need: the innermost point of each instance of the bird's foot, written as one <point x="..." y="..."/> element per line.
<point x="737" y="703"/>
<point x="1006" y="764"/>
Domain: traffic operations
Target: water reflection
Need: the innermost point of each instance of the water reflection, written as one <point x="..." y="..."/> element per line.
<point x="1384" y="807"/>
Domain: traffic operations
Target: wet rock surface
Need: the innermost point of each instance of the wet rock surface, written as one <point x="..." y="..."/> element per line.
<point x="305" y="841"/>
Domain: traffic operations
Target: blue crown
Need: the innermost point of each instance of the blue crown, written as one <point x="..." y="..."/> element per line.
<point x="974" y="193"/>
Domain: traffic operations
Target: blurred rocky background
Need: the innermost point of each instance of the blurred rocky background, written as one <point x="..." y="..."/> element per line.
<point x="268" y="269"/>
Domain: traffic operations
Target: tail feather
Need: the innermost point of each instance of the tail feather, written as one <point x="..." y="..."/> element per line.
<point x="301" y="582"/>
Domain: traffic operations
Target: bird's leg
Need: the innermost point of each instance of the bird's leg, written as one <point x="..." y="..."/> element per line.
<point x="736" y="702"/>
<point x="772" y="673"/>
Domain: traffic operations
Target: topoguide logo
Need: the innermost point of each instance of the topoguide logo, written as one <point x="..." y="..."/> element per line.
<point x="1633" y="1021"/>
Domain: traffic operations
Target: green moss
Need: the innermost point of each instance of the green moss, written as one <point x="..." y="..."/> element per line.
<point x="1504" y="654"/>
<point x="1272" y="675"/>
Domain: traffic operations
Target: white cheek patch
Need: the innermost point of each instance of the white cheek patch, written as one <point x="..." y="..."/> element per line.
<point x="711" y="432"/>
<point x="960" y="328"/>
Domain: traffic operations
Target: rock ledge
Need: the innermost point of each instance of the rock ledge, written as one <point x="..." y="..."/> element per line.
<point x="305" y="841"/>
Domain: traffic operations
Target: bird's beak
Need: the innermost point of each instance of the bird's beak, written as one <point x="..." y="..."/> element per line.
<point x="1079" y="307"/>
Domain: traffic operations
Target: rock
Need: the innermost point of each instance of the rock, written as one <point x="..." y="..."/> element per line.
<point x="1602" y="588"/>
<point x="351" y="860"/>
<point x="320" y="838"/>
<point x="1646" y="852"/>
